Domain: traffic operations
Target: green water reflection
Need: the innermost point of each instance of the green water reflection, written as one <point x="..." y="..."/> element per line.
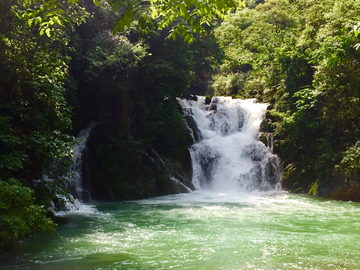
<point x="202" y="231"/>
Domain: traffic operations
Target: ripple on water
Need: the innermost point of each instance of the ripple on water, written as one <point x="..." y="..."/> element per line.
<point x="203" y="231"/>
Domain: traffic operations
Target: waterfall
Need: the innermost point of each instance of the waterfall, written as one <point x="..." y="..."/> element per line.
<point x="227" y="156"/>
<point x="75" y="185"/>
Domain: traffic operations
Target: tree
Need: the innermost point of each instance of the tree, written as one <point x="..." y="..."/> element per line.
<point x="33" y="110"/>
<point x="34" y="119"/>
<point x="19" y="216"/>
<point x="191" y="15"/>
<point x="301" y="56"/>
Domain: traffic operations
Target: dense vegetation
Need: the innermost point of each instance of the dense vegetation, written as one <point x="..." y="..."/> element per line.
<point x="34" y="116"/>
<point x="63" y="65"/>
<point x="130" y="89"/>
<point x="58" y="74"/>
<point x="301" y="56"/>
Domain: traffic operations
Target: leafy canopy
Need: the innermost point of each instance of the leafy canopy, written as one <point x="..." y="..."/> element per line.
<point x="50" y="15"/>
<point x="19" y="216"/>
<point x="191" y="16"/>
<point x="301" y="56"/>
<point x="160" y="14"/>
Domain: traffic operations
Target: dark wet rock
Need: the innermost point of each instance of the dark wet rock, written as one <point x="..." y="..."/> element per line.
<point x="171" y="176"/>
<point x="195" y="132"/>
<point x="117" y="169"/>
<point x="208" y="99"/>
<point x="191" y="97"/>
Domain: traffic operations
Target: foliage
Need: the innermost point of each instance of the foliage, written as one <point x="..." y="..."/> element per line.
<point x="301" y="56"/>
<point x="19" y="216"/>
<point x="195" y="15"/>
<point x="229" y="84"/>
<point x="34" y="115"/>
<point x="116" y="80"/>
<point x="130" y="88"/>
<point x="161" y="14"/>
<point x="351" y="160"/>
<point x="33" y="108"/>
<point x="50" y="16"/>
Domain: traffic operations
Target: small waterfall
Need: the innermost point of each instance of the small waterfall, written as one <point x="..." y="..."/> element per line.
<point x="75" y="185"/>
<point x="228" y="154"/>
<point x="269" y="140"/>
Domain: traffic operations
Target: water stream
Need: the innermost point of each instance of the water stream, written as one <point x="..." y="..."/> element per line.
<point x="227" y="154"/>
<point x="202" y="230"/>
<point x="238" y="218"/>
<point x="76" y="186"/>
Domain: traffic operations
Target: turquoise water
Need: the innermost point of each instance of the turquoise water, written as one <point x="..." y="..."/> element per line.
<point x="202" y="231"/>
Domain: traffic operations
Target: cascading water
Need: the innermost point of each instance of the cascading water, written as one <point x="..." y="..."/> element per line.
<point x="207" y="229"/>
<point x="75" y="185"/>
<point x="227" y="155"/>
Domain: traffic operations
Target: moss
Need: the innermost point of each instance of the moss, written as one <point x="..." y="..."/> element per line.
<point x="313" y="189"/>
<point x="208" y="99"/>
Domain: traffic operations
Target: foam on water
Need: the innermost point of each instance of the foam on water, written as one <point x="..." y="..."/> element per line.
<point x="228" y="155"/>
<point x="77" y="207"/>
<point x="203" y="230"/>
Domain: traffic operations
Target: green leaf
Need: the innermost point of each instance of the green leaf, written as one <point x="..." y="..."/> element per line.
<point x="183" y="10"/>
<point x="126" y="20"/>
<point x="186" y="37"/>
<point x="154" y="14"/>
<point x="52" y="6"/>
<point x="120" y="26"/>
<point x="30" y="21"/>
<point x="48" y="32"/>
<point x="116" y="7"/>
<point x="188" y="3"/>
<point x="130" y="15"/>
<point x="220" y="4"/>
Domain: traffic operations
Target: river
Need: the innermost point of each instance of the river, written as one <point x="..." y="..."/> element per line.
<point x="239" y="218"/>
<point x="202" y="230"/>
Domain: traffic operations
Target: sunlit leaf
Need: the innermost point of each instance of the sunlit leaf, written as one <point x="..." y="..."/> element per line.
<point x="126" y="20"/>
<point x="188" y="3"/>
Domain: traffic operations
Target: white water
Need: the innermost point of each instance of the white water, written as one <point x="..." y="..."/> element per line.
<point x="229" y="155"/>
<point x="208" y="229"/>
<point x="202" y="230"/>
<point x="76" y="186"/>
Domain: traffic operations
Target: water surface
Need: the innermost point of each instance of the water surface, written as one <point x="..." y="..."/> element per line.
<point x="202" y="230"/>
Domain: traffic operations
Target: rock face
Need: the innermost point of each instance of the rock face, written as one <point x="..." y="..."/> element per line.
<point x="219" y="145"/>
<point x="172" y="176"/>
<point x="118" y="168"/>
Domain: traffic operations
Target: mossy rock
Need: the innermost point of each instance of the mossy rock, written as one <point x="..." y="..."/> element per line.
<point x="208" y="99"/>
<point x="346" y="193"/>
